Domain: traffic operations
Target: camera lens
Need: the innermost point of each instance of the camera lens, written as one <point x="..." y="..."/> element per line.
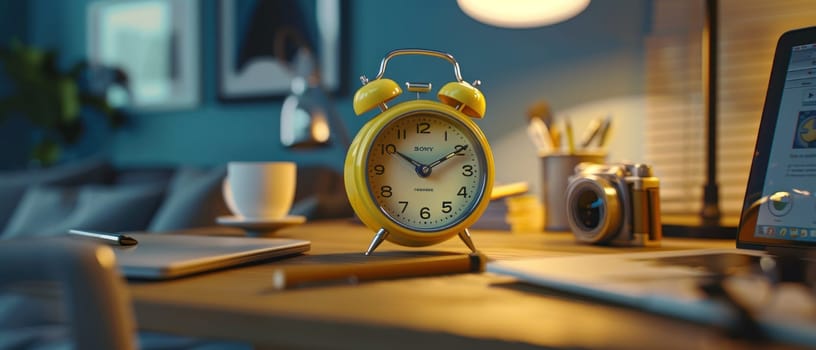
<point x="594" y="209"/>
<point x="588" y="208"/>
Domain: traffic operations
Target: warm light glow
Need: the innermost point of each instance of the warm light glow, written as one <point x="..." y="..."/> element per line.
<point x="320" y="128"/>
<point x="522" y="13"/>
<point x="105" y="257"/>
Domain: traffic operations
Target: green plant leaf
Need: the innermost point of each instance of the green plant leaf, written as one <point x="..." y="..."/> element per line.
<point x="40" y="102"/>
<point x="49" y="98"/>
<point x="24" y="63"/>
<point x="47" y="152"/>
<point x="68" y="93"/>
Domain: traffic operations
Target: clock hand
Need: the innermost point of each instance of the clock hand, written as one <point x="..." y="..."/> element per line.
<point x="459" y="148"/>
<point x="409" y="159"/>
<point x="421" y="169"/>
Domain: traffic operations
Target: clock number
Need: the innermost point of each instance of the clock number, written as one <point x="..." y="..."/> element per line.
<point x="446" y="135"/>
<point x="388" y="149"/>
<point x="379" y="169"/>
<point x="385" y="191"/>
<point x="462" y="192"/>
<point x="446" y="207"/>
<point x="402" y="133"/>
<point x="404" y="205"/>
<point x="423" y="128"/>
<point x="425" y="213"/>
<point x="467" y="170"/>
<point x="459" y="149"/>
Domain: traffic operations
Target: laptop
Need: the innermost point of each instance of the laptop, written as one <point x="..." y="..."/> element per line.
<point x="165" y="256"/>
<point x="778" y="221"/>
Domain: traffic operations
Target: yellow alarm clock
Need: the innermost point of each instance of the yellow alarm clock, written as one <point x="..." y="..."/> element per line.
<point x="420" y="171"/>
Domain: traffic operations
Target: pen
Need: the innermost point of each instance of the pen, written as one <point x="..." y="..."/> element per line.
<point x="570" y="138"/>
<point x="305" y="275"/>
<point x="113" y="238"/>
<point x="540" y="135"/>
<point x="604" y="132"/>
<point x="555" y="133"/>
<point x="591" y="132"/>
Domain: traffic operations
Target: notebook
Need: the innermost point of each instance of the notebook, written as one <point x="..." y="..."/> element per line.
<point x="164" y="256"/>
<point x="778" y="217"/>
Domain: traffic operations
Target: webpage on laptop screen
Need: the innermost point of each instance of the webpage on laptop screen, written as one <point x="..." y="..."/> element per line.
<point x="790" y="210"/>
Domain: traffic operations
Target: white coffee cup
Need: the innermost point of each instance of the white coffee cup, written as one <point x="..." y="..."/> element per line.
<point x="260" y="190"/>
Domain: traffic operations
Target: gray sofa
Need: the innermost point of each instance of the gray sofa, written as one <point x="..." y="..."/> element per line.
<point x="93" y="195"/>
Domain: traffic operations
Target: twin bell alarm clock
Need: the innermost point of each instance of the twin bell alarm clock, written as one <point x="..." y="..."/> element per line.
<point x="420" y="171"/>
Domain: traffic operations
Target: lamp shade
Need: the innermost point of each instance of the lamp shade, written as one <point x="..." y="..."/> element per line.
<point x="522" y="13"/>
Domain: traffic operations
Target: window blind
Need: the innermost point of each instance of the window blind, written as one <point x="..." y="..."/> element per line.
<point x="675" y="141"/>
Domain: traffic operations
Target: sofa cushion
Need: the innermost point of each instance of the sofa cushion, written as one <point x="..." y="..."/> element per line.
<point x="194" y="199"/>
<point x="137" y="175"/>
<point x="14" y="184"/>
<point x="52" y="210"/>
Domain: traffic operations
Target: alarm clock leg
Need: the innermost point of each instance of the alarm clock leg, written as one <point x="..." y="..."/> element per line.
<point x="378" y="238"/>
<point x="465" y="236"/>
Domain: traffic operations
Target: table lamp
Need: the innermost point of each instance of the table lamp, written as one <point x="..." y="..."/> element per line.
<point x="708" y="224"/>
<point x="522" y="13"/>
<point x="307" y="113"/>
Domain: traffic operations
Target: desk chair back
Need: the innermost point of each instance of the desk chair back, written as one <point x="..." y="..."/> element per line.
<point x="97" y="303"/>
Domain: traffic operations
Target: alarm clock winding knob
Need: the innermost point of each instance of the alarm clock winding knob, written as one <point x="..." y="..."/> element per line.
<point x="375" y="94"/>
<point x="464" y="97"/>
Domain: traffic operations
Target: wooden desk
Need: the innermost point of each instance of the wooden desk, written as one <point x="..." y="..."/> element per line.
<point x="465" y="311"/>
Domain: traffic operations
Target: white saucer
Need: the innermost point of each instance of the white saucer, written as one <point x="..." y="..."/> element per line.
<point x="260" y="226"/>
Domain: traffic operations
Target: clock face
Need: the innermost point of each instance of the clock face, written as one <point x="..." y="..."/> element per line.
<point x="426" y="171"/>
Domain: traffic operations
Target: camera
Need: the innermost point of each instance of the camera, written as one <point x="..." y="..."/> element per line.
<point x="614" y="204"/>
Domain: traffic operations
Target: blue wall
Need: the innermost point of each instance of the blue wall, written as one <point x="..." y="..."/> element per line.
<point x="13" y="15"/>
<point x="595" y="56"/>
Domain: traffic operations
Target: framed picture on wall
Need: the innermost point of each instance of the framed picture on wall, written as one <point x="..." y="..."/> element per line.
<point x="155" y="43"/>
<point x="263" y="45"/>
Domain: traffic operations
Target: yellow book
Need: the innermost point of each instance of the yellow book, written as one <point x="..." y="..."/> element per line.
<point x="515" y="188"/>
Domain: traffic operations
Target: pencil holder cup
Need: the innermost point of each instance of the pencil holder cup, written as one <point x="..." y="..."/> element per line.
<point x="556" y="168"/>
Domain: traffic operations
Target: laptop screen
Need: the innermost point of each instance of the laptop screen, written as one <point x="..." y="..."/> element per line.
<point x="780" y="206"/>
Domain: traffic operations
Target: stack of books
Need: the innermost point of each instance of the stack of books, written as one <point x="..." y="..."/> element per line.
<point x="513" y="209"/>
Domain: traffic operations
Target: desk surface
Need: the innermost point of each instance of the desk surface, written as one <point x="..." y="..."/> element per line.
<point x="461" y="311"/>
